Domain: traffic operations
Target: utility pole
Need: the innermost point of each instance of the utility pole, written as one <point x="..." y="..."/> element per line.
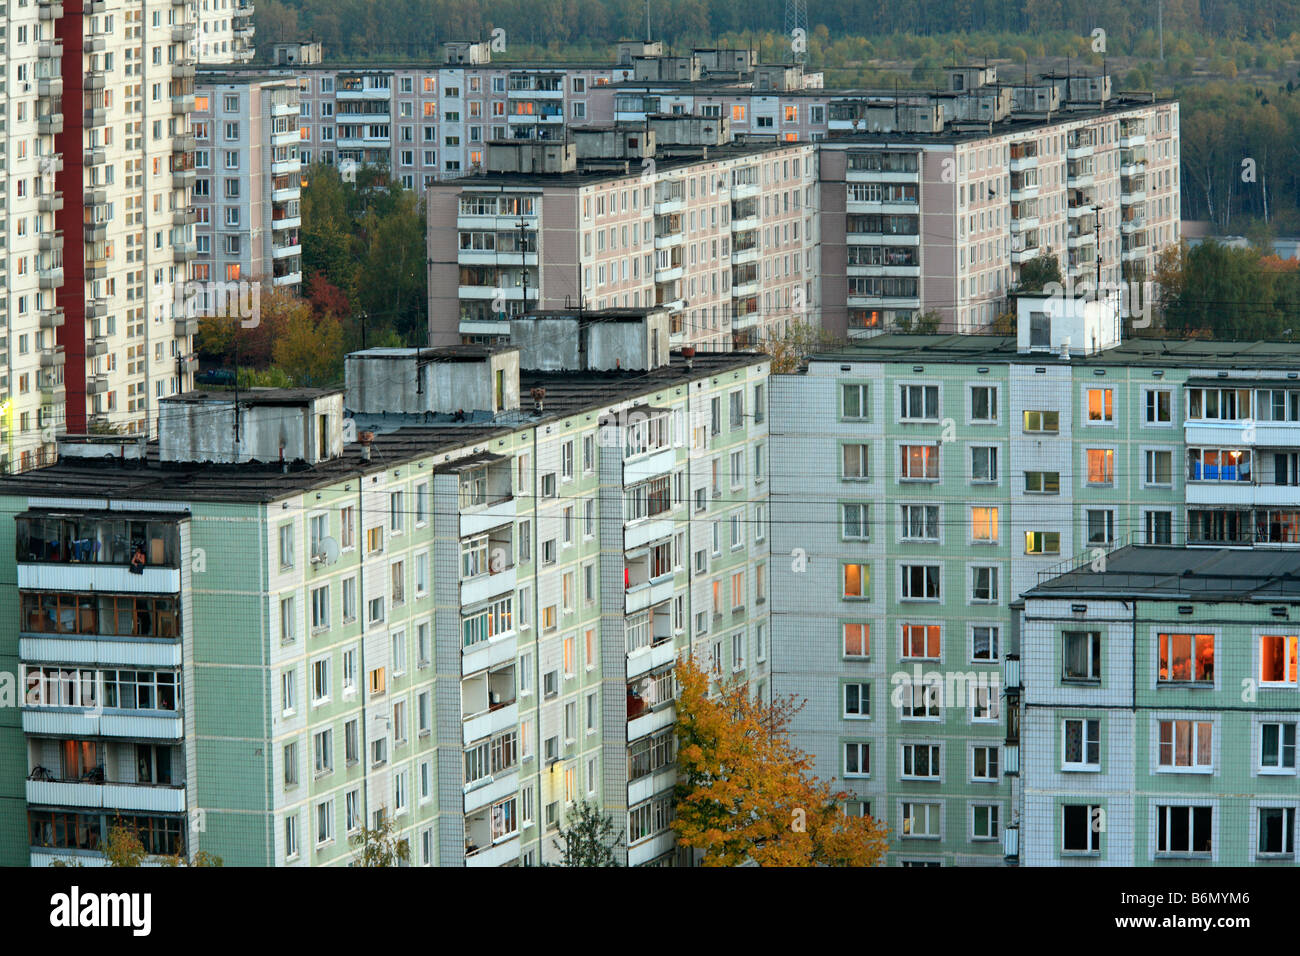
<point x="647" y="21"/>
<point x="1096" y="226"/>
<point x="362" y="316"/>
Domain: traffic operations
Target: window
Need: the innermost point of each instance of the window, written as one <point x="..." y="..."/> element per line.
<point x="1159" y="407"/>
<point x="290" y="837"/>
<point x="1159" y="527"/>
<point x="921" y="762"/>
<point x="984" y="525"/>
<point x="855" y="524"/>
<point x="288" y="691"/>
<point x="857" y="581"/>
<point x="984" y="821"/>
<point x="920" y="582"/>
<point x="1081" y="826"/>
<point x="1081" y="744"/>
<point x="918" y="403"/>
<point x="320" y="680"/>
<point x="288" y="620"/>
<point x="984" y="763"/>
<point x="921" y="819"/>
<point x="1042" y="421"/>
<point x="286" y="546"/>
<point x="857" y="759"/>
<point x="323" y="748"/>
<point x="1100" y="405"/>
<point x="919" y="522"/>
<point x="919" y="463"/>
<point x="921" y="642"/>
<point x="1186" y="658"/>
<point x="1042" y="542"/>
<point x="1277" y="659"/>
<point x="349" y="671"/>
<point x="1215" y="404"/>
<point x="854" y="401"/>
<point x="983" y="404"/>
<point x="1101" y="526"/>
<point x="1186" y="744"/>
<point x="984" y="464"/>
<point x="1277" y="747"/>
<point x="857" y="700"/>
<point x="1184" y="831"/>
<point x="351" y="742"/>
<point x="324" y="821"/>
<point x="984" y="585"/>
<point x="1276" y="831"/>
<point x="291" y="764"/>
<point x="857" y="639"/>
<point x="1081" y="656"/>
<point x="856" y="460"/>
<point x="1043" y="482"/>
<point x="1101" y="466"/>
<point x="1159" y="467"/>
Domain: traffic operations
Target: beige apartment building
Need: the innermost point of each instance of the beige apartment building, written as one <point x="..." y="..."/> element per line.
<point x="98" y="211"/>
<point x="672" y="213"/>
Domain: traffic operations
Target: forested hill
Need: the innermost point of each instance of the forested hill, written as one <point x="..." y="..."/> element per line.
<point x="359" y="26"/>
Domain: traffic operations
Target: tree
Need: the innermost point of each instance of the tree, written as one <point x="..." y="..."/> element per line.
<point x="1039" y="272"/>
<point x="589" y="839"/>
<point x="380" y="846"/>
<point x="923" y="323"/>
<point x="746" y="792"/>
<point x="310" y="349"/>
<point x="790" y="350"/>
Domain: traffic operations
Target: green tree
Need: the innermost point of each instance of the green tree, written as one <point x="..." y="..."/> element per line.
<point x="380" y="846"/>
<point x="790" y="350"/>
<point x="1039" y="272"/>
<point x="589" y="838"/>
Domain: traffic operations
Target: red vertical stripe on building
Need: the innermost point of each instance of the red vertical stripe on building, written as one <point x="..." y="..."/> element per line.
<point x="71" y="182"/>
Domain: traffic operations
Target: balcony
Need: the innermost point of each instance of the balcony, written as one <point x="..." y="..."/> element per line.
<point x="500" y="853"/>
<point x="85" y="722"/>
<point x="495" y="651"/>
<point x="49" y="86"/>
<point x="94" y="116"/>
<point x="142" y="797"/>
<point x="51" y="278"/>
<point x="50" y="9"/>
<point x="183" y="178"/>
<point x="183" y="104"/>
<point x="52" y="318"/>
<point x="638" y="597"/>
<point x="94" y="156"/>
<point x="491" y="789"/>
<point x="183" y="32"/>
<point x="50" y="124"/>
<point x="502" y="717"/>
<point x="50" y="50"/>
<point x="185" y="143"/>
<point x="182" y="71"/>
<point x="98" y="385"/>
<point x="50" y="202"/>
<point x="50" y="241"/>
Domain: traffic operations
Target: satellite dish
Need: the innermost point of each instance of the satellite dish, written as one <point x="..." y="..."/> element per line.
<point x="329" y="550"/>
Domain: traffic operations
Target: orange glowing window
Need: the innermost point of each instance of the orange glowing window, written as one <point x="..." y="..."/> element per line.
<point x="1186" y="657"/>
<point x="232" y="271"/>
<point x="1100" y="405"/>
<point x="857" y="577"/>
<point x="1101" y="466"/>
<point x="200" y="104"/>
<point x="1277" y="658"/>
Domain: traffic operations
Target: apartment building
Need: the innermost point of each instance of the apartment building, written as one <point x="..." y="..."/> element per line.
<point x="121" y="181"/>
<point x="31" y="262"/>
<point x="225" y="31"/>
<point x="248" y="182"/>
<point x="97" y="132"/>
<point x="464" y="621"/>
<point x="1160" y="709"/>
<point x="670" y="214"/>
<point x="958" y="469"/>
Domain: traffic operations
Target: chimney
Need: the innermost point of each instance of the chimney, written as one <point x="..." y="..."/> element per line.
<point x="365" y="438"/>
<point x="688" y="353"/>
<point x="1065" y="349"/>
<point x="538" y="394"/>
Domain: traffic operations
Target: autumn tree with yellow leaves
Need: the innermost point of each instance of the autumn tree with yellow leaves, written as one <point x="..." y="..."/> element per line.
<point x="747" y="793"/>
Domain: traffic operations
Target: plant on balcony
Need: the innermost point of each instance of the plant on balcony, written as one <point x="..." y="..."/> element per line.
<point x="747" y="794"/>
<point x="380" y="846"/>
<point x="589" y="838"/>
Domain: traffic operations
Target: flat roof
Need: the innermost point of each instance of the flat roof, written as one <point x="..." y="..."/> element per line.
<point x="978" y="349"/>
<point x="444" y="353"/>
<point x="663" y="160"/>
<point x="398" y="439"/>
<point x="253" y="396"/>
<point x="1187" y="574"/>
